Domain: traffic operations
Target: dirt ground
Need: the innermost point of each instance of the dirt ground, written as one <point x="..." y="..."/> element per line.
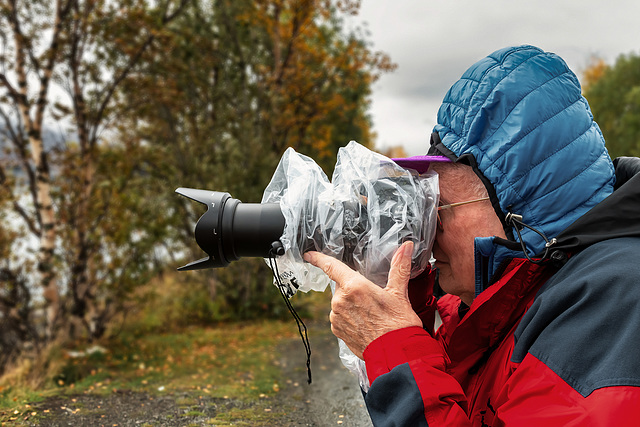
<point x="333" y="398"/>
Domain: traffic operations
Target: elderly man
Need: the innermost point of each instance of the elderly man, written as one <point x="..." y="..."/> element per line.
<point x="537" y="247"/>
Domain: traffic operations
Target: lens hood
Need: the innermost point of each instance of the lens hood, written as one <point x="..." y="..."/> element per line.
<point x="230" y="229"/>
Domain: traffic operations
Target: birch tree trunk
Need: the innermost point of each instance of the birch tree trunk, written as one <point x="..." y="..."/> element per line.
<point x="30" y="98"/>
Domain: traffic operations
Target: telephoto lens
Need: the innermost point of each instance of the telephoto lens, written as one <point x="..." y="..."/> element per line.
<point x="230" y="229"/>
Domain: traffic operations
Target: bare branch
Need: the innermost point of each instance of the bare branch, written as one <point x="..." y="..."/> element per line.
<point x="114" y="84"/>
<point x="8" y="130"/>
<point x="166" y="19"/>
<point x="3" y="176"/>
<point x="20" y="66"/>
<point x="13" y="93"/>
<point x="62" y="11"/>
<point x="19" y="209"/>
<point x="79" y="107"/>
<point x="27" y="218"/>
<point x="170" y="17"/>
<point x="16" y="138"/>
<point x="300" y="20"/>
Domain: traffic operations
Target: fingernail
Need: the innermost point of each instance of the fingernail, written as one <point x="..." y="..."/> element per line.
<point x="408" y="249"/>
<point x="307" y="256"/>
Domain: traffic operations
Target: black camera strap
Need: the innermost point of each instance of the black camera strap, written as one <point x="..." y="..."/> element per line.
<point x="302" y="329"/>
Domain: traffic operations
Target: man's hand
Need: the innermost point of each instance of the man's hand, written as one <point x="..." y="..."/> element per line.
<point x="361" y="311"/>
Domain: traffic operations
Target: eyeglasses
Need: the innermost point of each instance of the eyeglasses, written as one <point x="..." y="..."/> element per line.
<point x="453" y="205"/>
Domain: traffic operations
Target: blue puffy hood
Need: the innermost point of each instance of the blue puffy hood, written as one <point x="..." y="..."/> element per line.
<point x="519" y="118"/>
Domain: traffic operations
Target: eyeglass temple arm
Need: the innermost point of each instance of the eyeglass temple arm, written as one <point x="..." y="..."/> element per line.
<point x="453" y="205"/>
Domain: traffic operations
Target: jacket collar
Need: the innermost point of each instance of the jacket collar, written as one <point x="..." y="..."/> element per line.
<point x="496" y="311"/>
<point x="491" y="253"/>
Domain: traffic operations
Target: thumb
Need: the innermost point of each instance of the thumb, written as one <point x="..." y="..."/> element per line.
<point x="400" y="271"/>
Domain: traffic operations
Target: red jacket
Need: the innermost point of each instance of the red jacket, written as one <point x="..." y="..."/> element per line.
<point x="530" y="350"/>
<point x="539" y="346"/>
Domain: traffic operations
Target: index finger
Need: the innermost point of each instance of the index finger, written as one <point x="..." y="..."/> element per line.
<point x="337" y="271"/>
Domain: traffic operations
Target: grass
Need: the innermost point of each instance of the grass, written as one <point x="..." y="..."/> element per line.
<point x="228" y="362"/>
<point x="240" y="417"/>
<point x="197" y="357"/>
<point x="234" y="362"/>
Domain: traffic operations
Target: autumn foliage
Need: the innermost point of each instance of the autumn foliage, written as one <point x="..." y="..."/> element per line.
<point x="236" y="83"/>
<point x="107" y="106"/>
<point x="613" y="92"/>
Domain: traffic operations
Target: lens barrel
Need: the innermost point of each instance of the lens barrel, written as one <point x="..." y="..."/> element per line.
<point x="230" y="229"/>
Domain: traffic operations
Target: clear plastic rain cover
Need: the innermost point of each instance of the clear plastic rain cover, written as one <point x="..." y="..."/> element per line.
<point x="361" y="217"/>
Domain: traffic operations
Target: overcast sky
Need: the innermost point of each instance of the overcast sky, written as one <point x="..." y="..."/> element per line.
<point x="435" y="41"/>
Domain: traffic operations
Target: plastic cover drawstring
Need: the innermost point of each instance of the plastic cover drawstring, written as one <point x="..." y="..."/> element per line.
<point x="302" y="328"/>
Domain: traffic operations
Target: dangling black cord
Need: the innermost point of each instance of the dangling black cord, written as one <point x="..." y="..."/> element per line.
<point x="516" y="220"/>
<point x="302" y="329"/>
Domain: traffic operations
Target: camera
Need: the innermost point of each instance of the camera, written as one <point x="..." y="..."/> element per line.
<point x="230" y="229"/>
<point x="361" y="217"/>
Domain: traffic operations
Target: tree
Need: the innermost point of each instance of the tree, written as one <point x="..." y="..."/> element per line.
<point x="613" y="93"/>
<point x="61" y="64"/>
<point x="239" y="82"/>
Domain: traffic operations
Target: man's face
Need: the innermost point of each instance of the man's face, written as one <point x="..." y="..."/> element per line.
<point x="454" y="245"/>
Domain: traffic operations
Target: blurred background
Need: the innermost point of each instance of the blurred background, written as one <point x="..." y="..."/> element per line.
<point x="433" y="42"/>
<point x="107" y="106"/>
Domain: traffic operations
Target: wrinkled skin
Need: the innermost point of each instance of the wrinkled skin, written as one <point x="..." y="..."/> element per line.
<point x="453" y="248"/>
<point x="361" y="311"/>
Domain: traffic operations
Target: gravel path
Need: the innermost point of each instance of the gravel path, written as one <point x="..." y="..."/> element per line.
<point x="333" y="398"/>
